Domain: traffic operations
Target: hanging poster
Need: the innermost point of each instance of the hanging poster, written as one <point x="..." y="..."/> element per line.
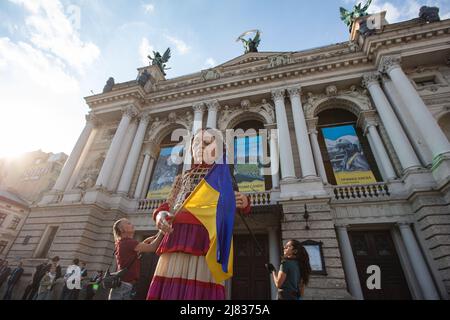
<point x="349" y="163"/>
<point x="164" y="173"/>
<point x="247" y="171"/>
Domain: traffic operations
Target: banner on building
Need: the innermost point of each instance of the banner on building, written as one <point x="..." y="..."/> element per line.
<point x="349" y="163"/>
<point x="164" y="173"/>
<point x="247" y="171"/>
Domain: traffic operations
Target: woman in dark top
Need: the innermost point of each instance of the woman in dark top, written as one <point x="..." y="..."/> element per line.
<point x="294" y="272"/>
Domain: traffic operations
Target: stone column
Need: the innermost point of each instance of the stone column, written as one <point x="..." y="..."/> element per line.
<point x="410" y="276"/>
<point x="407" y="122"/>
<point x="376" y="144"/>
<point x="348" y="260"/>
<point x="108" y="164"/>
<point x="67" y="171"/>
<point x="301" y="133"/>
<point x="427" y="125"/>
<point x="84" y="154"/>
<point x="148" y="176"/>
<point x="199" y="108"/>
<point x="122" y="157"/>
<point x="133" y="157"/>
<point x="274" y="257"/>
<point x="274" y="159"/>
<point x="284" y="139"/>
<point x="418" y="262"/>
<point x="313" y="135"/>
<point x="142" y="174"/>
<point x="213" y="108"/>
<point x="400" y="141"/>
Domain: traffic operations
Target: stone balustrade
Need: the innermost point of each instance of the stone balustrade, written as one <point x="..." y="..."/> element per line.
<point x="256" y="198"/>
<point x="368" y="191"/>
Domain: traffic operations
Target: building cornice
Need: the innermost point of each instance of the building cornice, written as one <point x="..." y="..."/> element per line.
<point x="274" y="67"/>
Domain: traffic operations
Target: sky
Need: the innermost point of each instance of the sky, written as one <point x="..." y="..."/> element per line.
<point x="53" y="53"/>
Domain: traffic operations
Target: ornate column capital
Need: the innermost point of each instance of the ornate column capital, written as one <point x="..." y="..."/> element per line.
<point x="147" y="153"/>
<point x="151" y="148"/>
<point x="341" y="226"/>
<point x="145" y="117"/>
<point x="387" y="63"/>
<point x="92" y="119"/>
<point x="370" y="78"/>
<point x="278" y="94"/>
<point x="294" y="91"/>
<point x="367" y="119"/>
<point x="213" y="105"/>
<point x="403" y="224"/>
<point x="130" y="111"/>
<point x="199" y="107"/>
<point x="311" y="123"/>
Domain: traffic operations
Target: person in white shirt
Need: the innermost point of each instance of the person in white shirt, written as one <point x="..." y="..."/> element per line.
<point x="72" y="280"/>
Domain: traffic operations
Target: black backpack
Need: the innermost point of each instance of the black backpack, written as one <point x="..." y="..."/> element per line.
<point x="113" y="280"/>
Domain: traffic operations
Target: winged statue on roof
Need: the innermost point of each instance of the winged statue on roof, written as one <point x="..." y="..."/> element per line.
<point x="250" y="44"/>
<point x="160" y="60"/>
<point x="358" y="11"/>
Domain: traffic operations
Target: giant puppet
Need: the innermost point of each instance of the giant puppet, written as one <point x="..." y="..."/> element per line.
<point x="196" y="253"/>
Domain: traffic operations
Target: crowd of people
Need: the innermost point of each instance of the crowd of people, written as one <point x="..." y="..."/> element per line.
<point x="48" y="281"/>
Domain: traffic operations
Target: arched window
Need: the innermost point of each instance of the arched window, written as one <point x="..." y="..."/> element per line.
<point x="249" y="150"/>
<point x="346" y="153"/>
<point x="165" y="169"/>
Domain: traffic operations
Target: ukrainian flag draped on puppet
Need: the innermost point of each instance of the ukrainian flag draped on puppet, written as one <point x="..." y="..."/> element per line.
<point x="213" y="203"/>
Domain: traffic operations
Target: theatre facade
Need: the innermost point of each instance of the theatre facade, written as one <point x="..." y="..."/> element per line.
<point x="364" y="158"/>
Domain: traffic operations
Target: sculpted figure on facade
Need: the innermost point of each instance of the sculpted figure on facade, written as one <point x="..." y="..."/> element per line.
<point x="210" y="74"/>
<point x="279" y="60"/>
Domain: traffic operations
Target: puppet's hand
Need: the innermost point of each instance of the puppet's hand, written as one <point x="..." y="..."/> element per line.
<point x="241" y="200"/>
<point x="164" y="221"/>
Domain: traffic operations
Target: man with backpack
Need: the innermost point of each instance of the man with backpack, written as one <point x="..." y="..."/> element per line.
<point x="127" y="257"/>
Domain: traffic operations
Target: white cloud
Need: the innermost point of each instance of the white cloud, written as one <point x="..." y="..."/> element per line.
<point x="407" y="10"/>
<point x="392" y="12"/>
<point x="41" y="104"/>
<point x="149" y="8"/>
<point x="34" y="67"/>
<point x="50" y="28"/>
<point x="180" y="45"/>
<point x="144" y="50"/>
<point x="445" y="16"/>
<point x="40" y="96"/>
<point x="210" y="62"/>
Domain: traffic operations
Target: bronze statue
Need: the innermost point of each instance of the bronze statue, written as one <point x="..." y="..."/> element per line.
<point x="159" y="60"/>
<point x="250" y="45"/>
<point x="349" y="17"/>
<point x="109" y="85"/>
<point x="429" y="14"/>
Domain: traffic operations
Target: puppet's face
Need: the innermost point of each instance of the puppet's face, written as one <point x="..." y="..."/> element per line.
<point x="204" y="148"/>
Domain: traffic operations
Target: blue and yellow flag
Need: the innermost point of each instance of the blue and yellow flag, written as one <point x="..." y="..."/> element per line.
<point x="213" y="203"/>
